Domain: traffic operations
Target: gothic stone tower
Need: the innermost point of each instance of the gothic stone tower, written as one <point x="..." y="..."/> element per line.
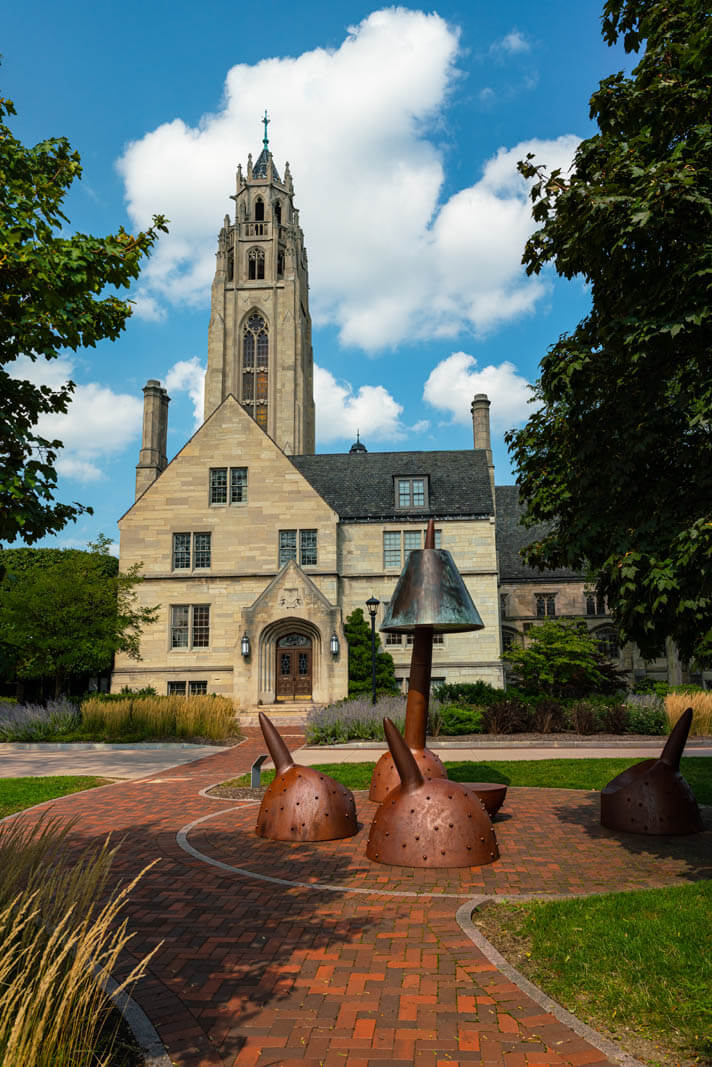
<point x="259" y="341"/>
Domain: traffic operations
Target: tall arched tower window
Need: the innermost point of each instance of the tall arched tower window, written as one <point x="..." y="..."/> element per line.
<point x="259" y="209"/>
<point x="255" y="368"/>
<point x="256" y="264"/>
<point x="278" y="212"/>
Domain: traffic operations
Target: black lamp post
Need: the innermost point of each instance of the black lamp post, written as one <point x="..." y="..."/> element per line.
<point x="372" y="605"/>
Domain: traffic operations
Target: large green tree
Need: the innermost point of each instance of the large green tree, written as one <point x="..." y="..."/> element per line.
<point x="617" y="456"/>
<point x="561" y="658"/>
<point x="358" y="638"/>
<point x="52" y="299"/>
<point x="65" y="612"/>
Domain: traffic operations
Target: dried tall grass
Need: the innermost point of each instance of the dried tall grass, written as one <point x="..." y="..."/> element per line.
<point x="58" y="943"/>
<point x="212" y="717"/>
<point x="701" y="704"/>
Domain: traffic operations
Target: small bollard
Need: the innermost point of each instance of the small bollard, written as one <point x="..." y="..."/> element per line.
<point x="255" y="775"/>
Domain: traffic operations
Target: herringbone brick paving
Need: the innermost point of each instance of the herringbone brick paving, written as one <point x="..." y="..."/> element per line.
<point x="254" y="973"/>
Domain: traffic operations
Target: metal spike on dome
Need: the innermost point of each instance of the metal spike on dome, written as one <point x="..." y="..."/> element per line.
<point x="301" y="803"/>
<point x="281" y="756"/>
<point x="429" y="823"/>
<point x="652" y="797"/>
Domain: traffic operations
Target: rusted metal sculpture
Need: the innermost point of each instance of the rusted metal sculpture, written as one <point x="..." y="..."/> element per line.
<point x="301" y="804"/>
<point x="491" y="794"/>
<point x="430" y="597"/>
<point x="434" y="823"/>
<point x="652" y="797"/>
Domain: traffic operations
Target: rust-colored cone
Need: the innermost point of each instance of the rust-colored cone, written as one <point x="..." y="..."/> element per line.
<point x="301" y="804"/>
<point x="433" y="823"/>
<point x="652" y="797"/>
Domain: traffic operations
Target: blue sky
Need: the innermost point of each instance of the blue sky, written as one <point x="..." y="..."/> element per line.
<point x="402" y="127"/>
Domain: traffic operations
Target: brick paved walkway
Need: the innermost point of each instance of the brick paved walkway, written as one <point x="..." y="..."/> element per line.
<point x="373" y="969"/>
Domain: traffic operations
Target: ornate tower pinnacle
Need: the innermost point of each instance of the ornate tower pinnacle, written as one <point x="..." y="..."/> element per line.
<point x="259" y="342"/>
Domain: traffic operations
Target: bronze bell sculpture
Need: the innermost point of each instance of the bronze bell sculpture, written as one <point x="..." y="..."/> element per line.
<point x="434" y="823"/>
<point x="652" y="797"/>
<point x="430" y="597"/>
<point x="301" y="804"/>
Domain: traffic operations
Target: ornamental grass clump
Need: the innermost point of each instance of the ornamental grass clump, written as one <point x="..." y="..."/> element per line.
<point x="59" y="944"/>
<point x="354" y="720"/>
<point x="212" y="717"/>
<point x="33" y="722"/>
<point x="701" y="704"/>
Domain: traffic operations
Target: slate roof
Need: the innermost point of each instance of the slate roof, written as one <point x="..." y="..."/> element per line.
<point x="360" y="485"/>
<point x="511" y="537"/>
<point x="259" y="170"/>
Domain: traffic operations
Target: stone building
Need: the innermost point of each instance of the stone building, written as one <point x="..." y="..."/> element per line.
<point x="256" y="548"/>
<point x="527" y="596"/>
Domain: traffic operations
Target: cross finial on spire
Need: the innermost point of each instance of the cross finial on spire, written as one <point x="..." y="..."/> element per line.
<point x="266" y="120"/>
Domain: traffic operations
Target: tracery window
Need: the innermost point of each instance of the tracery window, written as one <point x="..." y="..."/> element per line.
<point x="607" y="640"/>
<point x="255" y="366"/>
<point x="256" y="264"/>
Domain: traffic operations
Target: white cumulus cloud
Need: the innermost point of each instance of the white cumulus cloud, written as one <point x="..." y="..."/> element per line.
<point x="388" y="260"/>
<point x="98" y="424"/>
<point x="188" y="376"/>
<point x="512" y="43"/>
<point x="460" y="376"/>
<point x="340" y="411"/>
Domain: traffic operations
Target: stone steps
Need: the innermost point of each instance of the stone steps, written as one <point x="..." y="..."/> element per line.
<point x="285" y="713"/>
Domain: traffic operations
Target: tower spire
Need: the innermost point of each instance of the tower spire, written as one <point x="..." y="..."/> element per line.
<point x="266" y="120"/>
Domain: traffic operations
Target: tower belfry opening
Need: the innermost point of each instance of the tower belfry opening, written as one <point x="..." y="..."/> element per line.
<point x="259" y="341"/>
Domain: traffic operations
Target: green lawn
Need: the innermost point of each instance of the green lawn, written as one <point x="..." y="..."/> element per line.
<point x="19" y="793"/>
<point x="563" y="773"/>
<point x="636" y="964"/>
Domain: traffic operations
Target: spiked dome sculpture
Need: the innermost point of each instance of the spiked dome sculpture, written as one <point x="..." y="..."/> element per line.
<point x="652" y="797"/>
<point x="435" y="823"/>
<point x="430" y="597"/>
<point x="301" y="804"/>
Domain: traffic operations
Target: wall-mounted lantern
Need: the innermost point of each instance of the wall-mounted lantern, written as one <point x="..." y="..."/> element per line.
<point x="245" y="645"/>
<point x="334" y="645"/>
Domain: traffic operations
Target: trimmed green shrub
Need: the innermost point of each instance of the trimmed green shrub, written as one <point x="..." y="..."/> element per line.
<point x="478" y="693"/>
<point x="455" y="720"/>
<point x="646" y="720"/>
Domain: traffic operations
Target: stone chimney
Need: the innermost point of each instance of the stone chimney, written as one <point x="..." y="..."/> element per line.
<point x="152" y="457"/>
<point x="480" y="409"/>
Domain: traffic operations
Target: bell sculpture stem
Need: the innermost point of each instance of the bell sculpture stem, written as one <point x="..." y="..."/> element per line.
<point x="421" y="665"/>
<point x="416" y="709"/>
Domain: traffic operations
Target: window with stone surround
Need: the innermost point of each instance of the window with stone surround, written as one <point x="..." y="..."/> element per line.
<point x="394" y="639"/>
<point x="607" y="640"/>
<point x="545" y="605"/>
<point x="182" y="559"/>
<point x="238" y="485"/>
<point x="438" y="639"/>
<point x="256" y="264"/>
<point x="398" y="544"/>
<point x="255" y="367"/>
<point x="307" y="541"/>
<point x="195" y="689"/>
<point x="190" y="625"/>
<point x="218" y="485"/>
<point x="411" y="492"/>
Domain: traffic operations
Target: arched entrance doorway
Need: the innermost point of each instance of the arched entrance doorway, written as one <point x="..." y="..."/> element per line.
<point x="293" y="671"/>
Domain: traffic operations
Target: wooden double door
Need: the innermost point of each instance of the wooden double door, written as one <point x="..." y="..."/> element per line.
<point x="294" y="667"/>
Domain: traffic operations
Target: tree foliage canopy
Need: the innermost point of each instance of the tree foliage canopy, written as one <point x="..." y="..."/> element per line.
<point x="52" y="298"/>
<point x="65" y="612"/>
<point x="617" y="458"/>
<point x="358" y="637"/>
<point x="561" y="658"/>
